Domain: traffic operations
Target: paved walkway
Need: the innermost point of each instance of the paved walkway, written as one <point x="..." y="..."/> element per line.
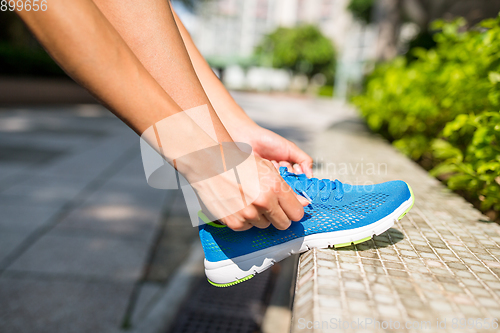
<point x="85" y="244"/>
<point x="440" y="262"/>
<point x="76" y="219"/>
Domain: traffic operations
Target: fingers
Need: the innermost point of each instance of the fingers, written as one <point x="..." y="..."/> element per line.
<point x="289" y="203"/>
<point x="277" y="204"/>
<point x="302" y="163"/>
<point x="297" y="169"/>
<point x="278" y="217"/>
<point x="254" y="217"/>
<point x="233" y="223"/>
<point x="246" y="219"/>
<point x="298" y="156"/>
<point x="262" y="223"/>
<point x="307" y="168"/>
<point x="286" y="165"/>
<point x="268" y="205"/>
<point x="303" y="201"/>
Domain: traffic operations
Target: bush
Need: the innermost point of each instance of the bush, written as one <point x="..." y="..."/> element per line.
<point x="303" y="49"/>
<point x="326" y="91"/>
<point x="442" y="108"/>
<point x="471" y="157"/>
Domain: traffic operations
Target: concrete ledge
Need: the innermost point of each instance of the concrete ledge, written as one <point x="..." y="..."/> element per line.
<point x="440" y="262"/>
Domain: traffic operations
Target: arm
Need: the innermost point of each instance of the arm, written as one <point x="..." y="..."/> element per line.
<point x="265" y="143"/>
<point x="79" y="38"/>
<point x="228" y="110"/>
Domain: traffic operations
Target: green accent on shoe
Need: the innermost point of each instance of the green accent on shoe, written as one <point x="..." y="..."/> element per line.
<point x="355" y="242"/>
<point x="343" y="244"/>
<point x="412" y="202"/>
<point x="362" y="240"/>
<point x="222" y="285"/>
<point x="205" y="219"/>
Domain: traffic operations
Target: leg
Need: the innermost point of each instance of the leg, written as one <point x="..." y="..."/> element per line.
<point x="149" y="28"/>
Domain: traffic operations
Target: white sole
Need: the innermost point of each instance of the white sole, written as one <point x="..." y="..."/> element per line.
<point x="231" y="271"/>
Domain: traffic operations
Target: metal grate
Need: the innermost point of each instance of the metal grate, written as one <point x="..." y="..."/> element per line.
<point x="236" y="309"/>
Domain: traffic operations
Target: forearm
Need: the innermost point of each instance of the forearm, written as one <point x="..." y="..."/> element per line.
<point x="150" y="31"/>
<point x="231" y="114"/>
<point x="90" y="50"/>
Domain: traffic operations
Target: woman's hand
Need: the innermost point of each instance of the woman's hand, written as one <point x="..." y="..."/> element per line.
<point x="269" y="199"/>
<point x="273" y="147"/>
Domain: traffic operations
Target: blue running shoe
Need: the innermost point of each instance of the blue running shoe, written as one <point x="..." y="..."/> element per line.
<point x="339" y="215"/>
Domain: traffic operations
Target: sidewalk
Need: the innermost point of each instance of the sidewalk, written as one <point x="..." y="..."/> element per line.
<point x="77" y="219"/>
<point x="439" y="263"/>
<point x="85" y="244"/>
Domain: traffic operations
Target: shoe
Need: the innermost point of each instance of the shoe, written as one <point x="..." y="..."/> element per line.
<point x="339" y="215"/>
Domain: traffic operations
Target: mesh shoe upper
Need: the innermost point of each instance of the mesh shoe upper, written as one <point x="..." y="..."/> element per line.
<point x="335" y="206"/>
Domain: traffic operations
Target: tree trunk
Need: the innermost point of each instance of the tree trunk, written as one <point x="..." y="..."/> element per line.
<point x="388" y="18"/>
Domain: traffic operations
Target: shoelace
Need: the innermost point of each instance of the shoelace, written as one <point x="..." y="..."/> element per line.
<point x="314" y="189"/>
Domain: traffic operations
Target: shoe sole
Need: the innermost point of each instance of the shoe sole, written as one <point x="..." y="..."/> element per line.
<point x="229" y="272"/>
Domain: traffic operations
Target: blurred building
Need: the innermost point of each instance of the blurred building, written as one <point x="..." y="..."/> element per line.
<point x="230" y="29"/>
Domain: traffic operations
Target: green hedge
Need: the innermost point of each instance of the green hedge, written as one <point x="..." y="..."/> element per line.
<point x="443" y="108"/>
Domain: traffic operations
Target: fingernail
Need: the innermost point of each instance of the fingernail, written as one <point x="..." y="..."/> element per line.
<point x="305" y="196"/>
<point x="297" y="168"/>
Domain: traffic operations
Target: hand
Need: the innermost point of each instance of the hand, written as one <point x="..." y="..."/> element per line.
<point x="274" y="202"/>
<point x="273" y="147"/>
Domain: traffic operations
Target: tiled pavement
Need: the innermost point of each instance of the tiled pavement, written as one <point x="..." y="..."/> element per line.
<point x="76" y="219"/>
<point x="440" y="262"/>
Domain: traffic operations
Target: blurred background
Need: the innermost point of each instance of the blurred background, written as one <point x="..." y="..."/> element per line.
<point x="281" y="45"/>
<point x="86" y="245"/>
